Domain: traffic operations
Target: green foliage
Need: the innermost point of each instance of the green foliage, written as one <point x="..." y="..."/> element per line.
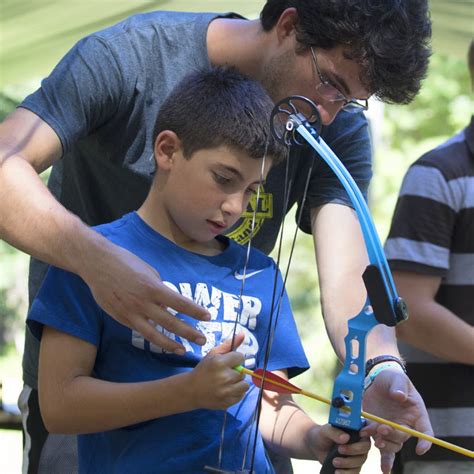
<point x="8" y="320"/>
<point x="442" y="108"/>
<point x="7" y="104"/>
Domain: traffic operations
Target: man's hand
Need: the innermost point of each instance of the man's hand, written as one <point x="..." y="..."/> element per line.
<point x="353" y="456"/>
<point x="215" y="383"/>
<point x="131" y="291"/>
<point x="393" y="396"/>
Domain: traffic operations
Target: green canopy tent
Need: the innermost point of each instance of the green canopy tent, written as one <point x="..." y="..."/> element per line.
<point x="35" y="34"/>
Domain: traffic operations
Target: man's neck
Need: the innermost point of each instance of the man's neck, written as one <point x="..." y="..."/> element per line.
<point x="238" y="43"/>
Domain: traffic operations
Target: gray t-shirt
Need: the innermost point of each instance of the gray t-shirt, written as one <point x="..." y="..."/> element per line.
<point x="102" y="100"/>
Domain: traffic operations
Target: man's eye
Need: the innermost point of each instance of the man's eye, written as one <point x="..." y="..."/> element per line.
<point x="251" y="191"/>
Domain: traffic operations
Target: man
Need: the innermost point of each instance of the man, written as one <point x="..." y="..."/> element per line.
<point x="431" y="249"/>
<point x="91" y="119"/>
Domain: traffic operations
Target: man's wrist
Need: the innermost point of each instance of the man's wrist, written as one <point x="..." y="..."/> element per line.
<point x="379" y="364"/>
<point x="371" y="363"/>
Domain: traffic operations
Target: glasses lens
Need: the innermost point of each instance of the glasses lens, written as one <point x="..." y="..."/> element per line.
<point x="329" y="92"/>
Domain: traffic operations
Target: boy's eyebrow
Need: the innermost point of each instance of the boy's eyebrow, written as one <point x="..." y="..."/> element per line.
<point x="238" y="174"/>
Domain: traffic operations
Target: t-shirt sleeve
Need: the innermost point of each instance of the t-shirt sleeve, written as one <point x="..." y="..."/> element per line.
<point x="422" y="226"/>
<point x="348" y="137"/>
<point x="286" y="350"/>
<point x="65" y="303"/>
<point x="82" y="92"/>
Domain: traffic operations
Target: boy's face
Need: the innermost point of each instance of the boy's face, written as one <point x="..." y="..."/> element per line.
<point x="205" y="195"/>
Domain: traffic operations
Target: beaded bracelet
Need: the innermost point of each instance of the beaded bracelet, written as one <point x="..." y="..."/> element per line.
<point x="371" y="363"/>
<point x="370" y="377"/>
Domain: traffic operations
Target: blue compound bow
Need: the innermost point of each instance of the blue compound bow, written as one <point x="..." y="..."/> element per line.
<point x="382" y="305"/>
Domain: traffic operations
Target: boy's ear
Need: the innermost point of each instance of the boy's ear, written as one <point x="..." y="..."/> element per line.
<point x="167" y="144"/>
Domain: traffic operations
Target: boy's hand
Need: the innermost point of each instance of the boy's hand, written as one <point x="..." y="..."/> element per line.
<point x="321" y="439"/>
<point x="215" y="383"/>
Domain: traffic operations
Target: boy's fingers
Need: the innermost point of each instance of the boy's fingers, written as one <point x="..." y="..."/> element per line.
<point x="351" y="462"/>
<point x="359" y="447"/>
<point x="228" y="345"/>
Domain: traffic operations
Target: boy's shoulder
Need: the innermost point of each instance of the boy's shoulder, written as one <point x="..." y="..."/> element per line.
<point x="255" y="258"/>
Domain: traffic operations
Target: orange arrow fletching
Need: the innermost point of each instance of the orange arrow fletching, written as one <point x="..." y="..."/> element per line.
<point x="274" y="383"/>
<point x="269" y="381"/>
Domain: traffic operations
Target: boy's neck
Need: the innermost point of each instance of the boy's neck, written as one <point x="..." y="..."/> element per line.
<point x="155" y="216"/>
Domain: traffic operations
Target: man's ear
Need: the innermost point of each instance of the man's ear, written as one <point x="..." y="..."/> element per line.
<point x="167" y="144"/>
<point x="286" y="24"/>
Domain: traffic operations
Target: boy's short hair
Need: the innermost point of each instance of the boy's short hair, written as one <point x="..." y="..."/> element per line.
<point x="388" y="38"/>
<point x="220" y="107"/>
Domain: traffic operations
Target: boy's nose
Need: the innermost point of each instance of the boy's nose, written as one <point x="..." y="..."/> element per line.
<point x="234" y="204"/>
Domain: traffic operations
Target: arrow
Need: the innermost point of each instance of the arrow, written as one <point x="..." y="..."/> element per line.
<point x="274" y="383"/>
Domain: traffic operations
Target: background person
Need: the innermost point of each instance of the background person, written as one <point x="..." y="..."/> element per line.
<point x="430" y="247"/>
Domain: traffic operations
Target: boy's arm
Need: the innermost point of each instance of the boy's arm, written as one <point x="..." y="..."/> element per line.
<point x="72" y="401"/>
<point x="32" y="220"/>
<point x="287" y="429"/>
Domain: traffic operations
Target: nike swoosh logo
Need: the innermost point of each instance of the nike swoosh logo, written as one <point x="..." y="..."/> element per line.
<point x="240" y="276"/>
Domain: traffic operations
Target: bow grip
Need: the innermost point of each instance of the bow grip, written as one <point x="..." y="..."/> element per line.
<point x="328" y="467"/>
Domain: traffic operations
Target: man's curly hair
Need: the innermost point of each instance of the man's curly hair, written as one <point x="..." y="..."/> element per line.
<point x="390" y="39"/>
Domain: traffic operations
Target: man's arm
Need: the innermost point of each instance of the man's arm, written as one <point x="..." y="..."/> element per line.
<point x="341" y="258"/>
<point x="432" y="327"/>
<point x="72" y="401"/>
<point x="33" y="221"/>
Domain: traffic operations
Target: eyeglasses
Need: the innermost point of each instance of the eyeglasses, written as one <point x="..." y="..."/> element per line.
<point x="331" y="93"/>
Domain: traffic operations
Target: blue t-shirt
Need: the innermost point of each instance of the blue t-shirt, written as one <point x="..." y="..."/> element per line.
<point x="186" y="442"/>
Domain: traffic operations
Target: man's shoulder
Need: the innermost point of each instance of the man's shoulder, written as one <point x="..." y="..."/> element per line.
<point x="152" y="21"/>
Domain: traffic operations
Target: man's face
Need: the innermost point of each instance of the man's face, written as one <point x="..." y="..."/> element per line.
<point x="206" y="194"/>
<point x="291" y="73"/>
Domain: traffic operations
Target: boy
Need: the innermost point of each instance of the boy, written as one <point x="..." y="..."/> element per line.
<point x="138" y="407"/>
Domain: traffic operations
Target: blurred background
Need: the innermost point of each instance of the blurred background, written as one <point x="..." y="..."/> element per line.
<point x="35" y="34"/>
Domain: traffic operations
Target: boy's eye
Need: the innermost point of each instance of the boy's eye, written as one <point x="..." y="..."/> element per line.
<point x="251" y="191"/>
<point x="221" y="179"/>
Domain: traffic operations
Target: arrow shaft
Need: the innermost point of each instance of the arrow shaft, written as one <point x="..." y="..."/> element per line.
<point x="369" y="416"/>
